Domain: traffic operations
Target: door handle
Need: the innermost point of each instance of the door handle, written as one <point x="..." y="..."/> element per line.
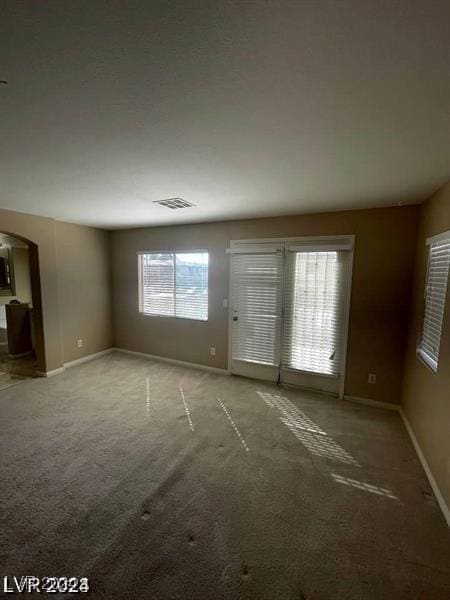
<point x="235" y="318"/>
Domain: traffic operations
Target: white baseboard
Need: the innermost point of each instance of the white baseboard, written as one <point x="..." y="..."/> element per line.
<point x="374" y="403"/>
<point x="173" y="361"/>
<point x="74" y="363"/>
<point x="87" y="358"/>
<point x="51" y="373"/>
<point x="434" y="486"/>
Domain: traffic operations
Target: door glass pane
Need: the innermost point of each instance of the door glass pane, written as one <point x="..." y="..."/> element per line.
<point x="256" y="302"/>
<point x="313" y="314"/>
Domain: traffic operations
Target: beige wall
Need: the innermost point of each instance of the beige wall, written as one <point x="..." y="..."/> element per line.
<point x="384" y="254"/>
<point x="426" y="395"/>
<point x="53" y="341"/>
<point x="84" y="289"/>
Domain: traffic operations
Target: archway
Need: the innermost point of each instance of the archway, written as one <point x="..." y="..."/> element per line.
<point x="16" y="290"/>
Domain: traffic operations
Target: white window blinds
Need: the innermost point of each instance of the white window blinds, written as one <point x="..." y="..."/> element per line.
<point x="157" y="284"/>
<point x="256" y="300"/>
<point x="313" y="311"/>
<point x="174" y="284"/>
<point x="435" y="295"/>
<point x="191" y="285"/>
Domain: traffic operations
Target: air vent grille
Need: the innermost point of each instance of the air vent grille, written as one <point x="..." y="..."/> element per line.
<point x="174" y="203"/>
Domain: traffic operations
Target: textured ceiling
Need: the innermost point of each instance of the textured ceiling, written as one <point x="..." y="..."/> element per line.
<point x="242" y="108"/>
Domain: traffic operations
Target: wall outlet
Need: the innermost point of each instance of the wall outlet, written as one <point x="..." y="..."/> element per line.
<point x="213" y="351"/>
<point x="372" y="378"/>
<point x="79" y="343"/>
<point x="225" y="302"/>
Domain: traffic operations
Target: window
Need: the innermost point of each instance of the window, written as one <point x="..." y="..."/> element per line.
<point x="435" y="294"/>
<point x="174" y="284"/>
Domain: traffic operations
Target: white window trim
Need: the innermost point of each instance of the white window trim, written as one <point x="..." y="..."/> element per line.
<point x="322" y="240"/>
<point x="440" y="237"/>
<point x="427" y="360"/>
<point x="140" y="287"/>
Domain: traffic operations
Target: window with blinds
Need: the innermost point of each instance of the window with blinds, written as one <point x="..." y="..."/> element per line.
<point x="256" y="301"/>
<point x="435" y="295"/>
<point x="313" y="312"/>
<point x="174" y="284"/>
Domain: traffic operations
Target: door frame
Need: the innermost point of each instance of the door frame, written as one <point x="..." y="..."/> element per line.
<point x="247" y="244"/>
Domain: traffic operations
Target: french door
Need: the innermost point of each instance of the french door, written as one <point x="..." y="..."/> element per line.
<point x="289" y="307"/>
<point x="256" y="310"/>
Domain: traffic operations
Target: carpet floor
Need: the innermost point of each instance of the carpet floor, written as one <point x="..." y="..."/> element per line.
<point x="160" y="482"/>
<point x="15" y="370"/>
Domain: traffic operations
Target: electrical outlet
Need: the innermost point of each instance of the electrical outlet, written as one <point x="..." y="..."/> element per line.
<point x="225" y="302"/>
<point x="79" y="343"/>
<point x="213" y="351"/>
<point x="372" y="378"/>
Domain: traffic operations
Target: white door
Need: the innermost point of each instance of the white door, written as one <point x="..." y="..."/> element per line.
<point x="289" y="311"/>
<point x="256" y="309"/>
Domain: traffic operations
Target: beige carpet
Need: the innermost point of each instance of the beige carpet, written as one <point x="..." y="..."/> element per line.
<point x="13" y="371"/>
<point x="21" y="367"/>
<point x="158" y="482"/>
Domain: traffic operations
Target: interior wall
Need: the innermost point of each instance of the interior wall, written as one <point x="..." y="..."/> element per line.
<point x="382" y="275"/>
<point x="57" y="317"/>
<point x="84" y="289"/>
<point x="426" y="395"/>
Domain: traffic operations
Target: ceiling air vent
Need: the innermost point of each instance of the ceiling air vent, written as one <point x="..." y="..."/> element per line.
<point x="174" y="203"/>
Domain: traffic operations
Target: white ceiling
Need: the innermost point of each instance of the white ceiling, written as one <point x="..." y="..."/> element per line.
<point x="243" y="108"/>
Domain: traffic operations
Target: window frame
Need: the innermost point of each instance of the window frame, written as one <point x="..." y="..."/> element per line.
<point x="421" y="353"/>
<point x="141" y="288"/>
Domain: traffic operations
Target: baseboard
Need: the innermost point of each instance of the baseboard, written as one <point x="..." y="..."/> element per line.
<point x="74" y="363"/>
<point x="51" y="373"/>
<point x="374" y="403"/>
<point x="173" y="361"/>
<point x="87" y="358"/>
<point x="434" y="486"/>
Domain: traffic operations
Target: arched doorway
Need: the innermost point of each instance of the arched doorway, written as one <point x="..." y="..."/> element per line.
<point x="22" y="345"/>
